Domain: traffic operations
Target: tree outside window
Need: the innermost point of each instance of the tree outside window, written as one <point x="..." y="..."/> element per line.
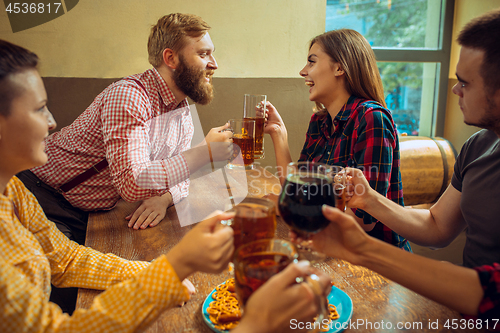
<point x="392" y="26"/>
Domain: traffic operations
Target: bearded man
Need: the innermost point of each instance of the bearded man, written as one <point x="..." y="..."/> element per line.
<point x="133" y="142"/>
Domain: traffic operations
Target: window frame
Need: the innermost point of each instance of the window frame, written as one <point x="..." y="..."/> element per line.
<point x="441" y="55"/>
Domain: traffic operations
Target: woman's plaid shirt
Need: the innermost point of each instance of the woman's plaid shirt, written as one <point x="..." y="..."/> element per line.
<point x="362" y="135"/>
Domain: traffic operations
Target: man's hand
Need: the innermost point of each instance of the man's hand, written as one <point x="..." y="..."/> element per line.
<point x="150" y="212"/>
<point x="207" y="247"/>
<point x="343" y="238"/>
<point x="217" y="146"/>
<point x="220" y="143"/>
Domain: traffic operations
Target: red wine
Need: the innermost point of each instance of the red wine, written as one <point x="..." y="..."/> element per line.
<point x="301" y="200"/>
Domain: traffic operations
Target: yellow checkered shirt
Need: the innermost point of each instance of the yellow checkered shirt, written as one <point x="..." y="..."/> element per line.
<point x="35" y="253"/>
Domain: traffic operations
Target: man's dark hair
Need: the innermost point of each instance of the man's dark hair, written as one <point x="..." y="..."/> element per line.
<point x="13" y="59"/>
<point x="483" y="33"/>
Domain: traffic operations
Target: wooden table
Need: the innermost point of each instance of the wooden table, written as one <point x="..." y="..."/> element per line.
<point x="377" y="301"/>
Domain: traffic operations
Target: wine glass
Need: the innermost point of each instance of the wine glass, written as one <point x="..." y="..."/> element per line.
<point x="308" y="186"/>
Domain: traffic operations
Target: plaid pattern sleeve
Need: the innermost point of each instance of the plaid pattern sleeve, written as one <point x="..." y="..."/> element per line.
<point x="489" y="308"/>
<point x="362" y="135"/>
<point x="132" y="305"/>
<point x="131" y="137"/>
<point x="376" y="151"/>
<point x="71" y="265"/>
<point x="34" y="252"/>
<point x="141" y="130"/>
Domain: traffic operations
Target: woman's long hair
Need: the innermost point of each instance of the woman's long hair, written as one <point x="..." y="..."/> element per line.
<point x="355" y="56"/>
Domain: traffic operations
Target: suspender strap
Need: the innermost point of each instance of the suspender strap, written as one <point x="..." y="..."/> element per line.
<point x="94" y="170"/>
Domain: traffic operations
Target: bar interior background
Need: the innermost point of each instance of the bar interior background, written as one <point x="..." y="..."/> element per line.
<point x="261" y="45"/>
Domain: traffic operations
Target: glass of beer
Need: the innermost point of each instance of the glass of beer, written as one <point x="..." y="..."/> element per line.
<point x="257" y="261"/>
<point x="243" y="143"/>
<point x="255" y="218"/>
<point x="254" y="108"/>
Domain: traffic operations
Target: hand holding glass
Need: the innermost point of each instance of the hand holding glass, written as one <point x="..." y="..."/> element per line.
<point x="308" y="186"/>
<point x="256" y="262"/>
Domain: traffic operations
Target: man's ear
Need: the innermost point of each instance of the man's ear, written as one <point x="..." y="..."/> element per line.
<point x="170" y="58"/>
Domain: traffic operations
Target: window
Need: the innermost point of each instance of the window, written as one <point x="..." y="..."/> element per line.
<point x="412" y="41"/>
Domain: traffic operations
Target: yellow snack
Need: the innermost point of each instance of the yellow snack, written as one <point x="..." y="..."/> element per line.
<point x="332" y="315"/>
<point x="224" y="311"/>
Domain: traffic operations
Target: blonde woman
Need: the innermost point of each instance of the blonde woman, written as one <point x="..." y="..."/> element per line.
<point x="352" y="126"/>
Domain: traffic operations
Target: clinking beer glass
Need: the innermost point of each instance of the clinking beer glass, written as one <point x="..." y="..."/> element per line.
<point x="243" y="143"/>
<point x="255" y="218"/>
<point x="254" y="108"/>
<point x="256" y="262"/>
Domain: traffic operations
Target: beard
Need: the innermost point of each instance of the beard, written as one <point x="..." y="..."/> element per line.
<point x="191" y="81"/>
<point x="491" y="119"/>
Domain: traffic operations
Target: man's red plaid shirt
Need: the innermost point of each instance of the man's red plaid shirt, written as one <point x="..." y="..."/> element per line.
<point x="139" y="127"/>
<point x="489" y="308"/>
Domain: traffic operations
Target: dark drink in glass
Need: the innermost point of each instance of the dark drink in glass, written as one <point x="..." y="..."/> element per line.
<point x="301" y="199"/>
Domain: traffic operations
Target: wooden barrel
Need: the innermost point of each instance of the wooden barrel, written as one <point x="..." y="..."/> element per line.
<point x="426" y="168"/>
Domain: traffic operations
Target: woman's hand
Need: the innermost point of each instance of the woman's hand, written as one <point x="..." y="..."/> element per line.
<point x="276" y="304"/>
<point x="190" y="289"/>
<point x="274" y="124"/>
<point x="358" y="193"/>
<point x="207" y="247"/>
